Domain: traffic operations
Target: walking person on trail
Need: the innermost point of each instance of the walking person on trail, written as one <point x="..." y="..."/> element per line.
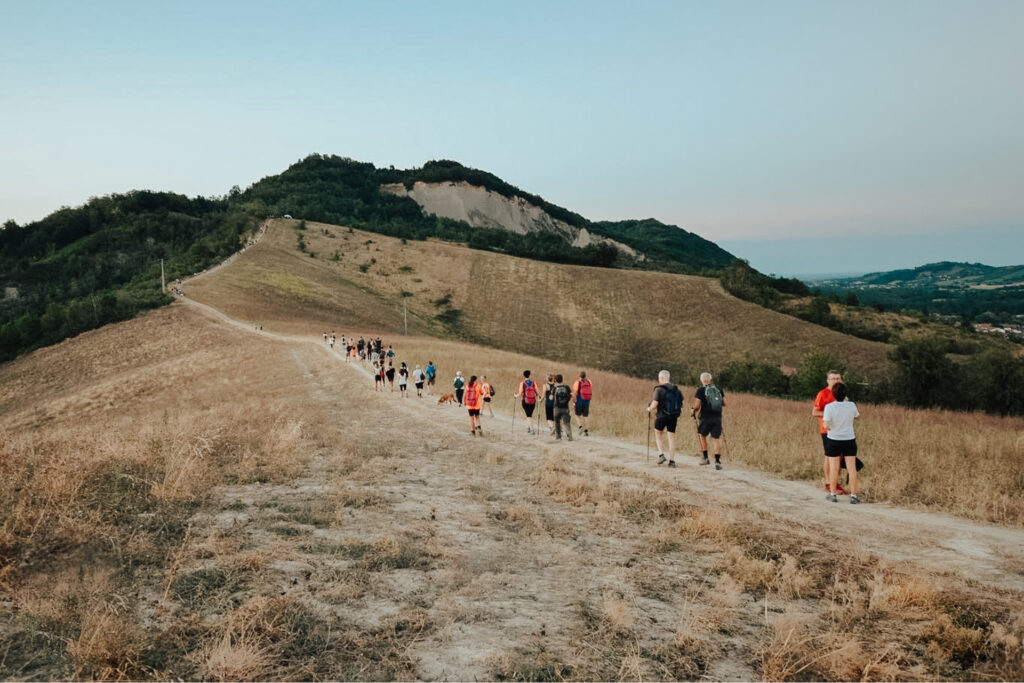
<point x="361" y="349"/>
<point x="549" y="402"/>
<point x="459" y="384"/>
<point x="527" y="391"/>
<point x="488" y="391"/>
<point x="378" y="378"/>
<point x="561" y="397"/>
<point x="391" y="353"/>
<point x="417" y="379"/>
<point x="582" y="391"/>
<point x="709" y="402"/>
<point x="824" y="397"/>
<point x="403" y="379"/>
<point x="841" y="442"/>
<point x="391" y="375"/>
<point x="474" y="402"/>
<point x="431" y="373"/>
<point x="667" y="405"/>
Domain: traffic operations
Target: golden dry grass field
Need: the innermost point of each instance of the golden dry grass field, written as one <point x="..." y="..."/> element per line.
<point x="603" y="317"/>
<point x="184" y="497"/>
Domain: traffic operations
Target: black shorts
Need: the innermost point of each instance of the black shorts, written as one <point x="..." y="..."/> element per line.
<point x="712" y="428"/>
<point x="666" y="422"/>
<point x="549" y="412"/>
<point x="839" y="449"/>
<point x="528" y="408"/>
<point x="582" y="407"/>
<point x="487" y="399"/>
<point x="430" y="381"/>
<point x="473" y="412"/>
<point x="419" y="385"/>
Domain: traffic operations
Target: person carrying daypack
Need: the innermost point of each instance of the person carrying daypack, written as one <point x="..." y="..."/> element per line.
<point x="431" y="372"/>
<point x="668" y="404"/>
<point x="582" y="392"/>
<point x="487" y="391"/>
<point x="709" y="402"/>
<point x="459" y="385"/>
<point x="549" y="402"/>
<point x="561" y="398"/>
<point x="474" y="403"/>
<point x="527" y="392"/>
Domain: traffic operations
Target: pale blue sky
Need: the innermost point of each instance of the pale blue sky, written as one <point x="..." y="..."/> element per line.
<point x="793" y="133"/>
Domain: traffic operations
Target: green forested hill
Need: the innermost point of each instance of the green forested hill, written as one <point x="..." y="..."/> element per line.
<point x="78" y="269"/>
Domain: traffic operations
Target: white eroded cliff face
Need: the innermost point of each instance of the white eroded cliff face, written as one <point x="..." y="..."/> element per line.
<point x="482" y="208"/>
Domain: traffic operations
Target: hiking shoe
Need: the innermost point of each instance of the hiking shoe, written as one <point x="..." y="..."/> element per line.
<point x="480" y="431"/>
<point x="661" y="458"/>
<point x="472" y="432"/>
<point x="671" y="463"/>
<point x="832" y="497"/>
<point x="854" y="499"/>
<point x="586" y="432"/>
<point x="705" y="461"/>
<point x="718" y="465"/>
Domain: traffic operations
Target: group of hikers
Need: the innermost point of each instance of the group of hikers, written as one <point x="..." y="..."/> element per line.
<point x="833" y="408"/>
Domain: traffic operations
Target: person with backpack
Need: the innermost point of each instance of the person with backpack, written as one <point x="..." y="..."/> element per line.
<point x="403" y="379"/>
<point x="431" y="372"/>
<point x="561" y="398"/>
<point x="668" y="404"/>
<point x="527" y="392"/>
<point x="549" y="402"/>
<point x="459" y="385"/>
<point x="391" y="375"/>
<point x="841" y="442"/>
<point x="417" y="378"/>
<point x="582" y="392"/>
<point x="709" y="402"/>
<point x="474" y="403"/>
<point x="488" y="392"/>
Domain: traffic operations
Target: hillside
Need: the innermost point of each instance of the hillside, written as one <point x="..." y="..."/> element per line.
<point x="970" y="290"/>
<point x="627" y="320"/>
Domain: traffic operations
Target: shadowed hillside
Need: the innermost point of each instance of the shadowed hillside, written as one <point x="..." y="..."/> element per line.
<point x="633" y="321"/>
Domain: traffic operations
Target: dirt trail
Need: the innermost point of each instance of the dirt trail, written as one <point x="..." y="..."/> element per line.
<point x="940" y="542"/>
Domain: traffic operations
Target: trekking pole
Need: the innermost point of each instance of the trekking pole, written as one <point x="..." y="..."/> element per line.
<point x="696" y="430"/>
<point x="648" y="437"/>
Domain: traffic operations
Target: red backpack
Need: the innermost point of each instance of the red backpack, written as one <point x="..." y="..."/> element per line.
<point x="471" y="394"/>
<point x="585" y="391"/>
<point x="529" y="392"/>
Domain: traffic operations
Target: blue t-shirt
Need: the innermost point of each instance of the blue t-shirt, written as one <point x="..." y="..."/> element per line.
<point x="430" y="371"/>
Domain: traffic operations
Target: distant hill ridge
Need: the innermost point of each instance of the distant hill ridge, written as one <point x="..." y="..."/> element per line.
<point x="943" y="274"/>
<point x="342" y="191"/>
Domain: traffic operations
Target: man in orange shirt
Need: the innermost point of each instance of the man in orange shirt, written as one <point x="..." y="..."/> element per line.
<point x="823" y="398"/>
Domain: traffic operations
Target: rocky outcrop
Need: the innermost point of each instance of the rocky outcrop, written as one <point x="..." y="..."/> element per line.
<point x="481" y="208"/>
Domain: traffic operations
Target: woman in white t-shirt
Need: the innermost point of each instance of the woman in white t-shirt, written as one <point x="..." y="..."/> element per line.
<point x="838" y="419"/>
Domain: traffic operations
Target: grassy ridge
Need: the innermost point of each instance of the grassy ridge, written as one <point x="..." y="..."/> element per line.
<point x="629" y="321"/>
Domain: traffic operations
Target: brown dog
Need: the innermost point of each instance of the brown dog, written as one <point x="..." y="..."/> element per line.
<point x="446" y="398"/>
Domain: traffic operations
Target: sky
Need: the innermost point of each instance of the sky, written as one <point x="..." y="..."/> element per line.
<point x="806" y="137"/>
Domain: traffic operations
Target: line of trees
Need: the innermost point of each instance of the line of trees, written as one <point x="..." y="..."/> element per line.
<point x="921" y="375"/>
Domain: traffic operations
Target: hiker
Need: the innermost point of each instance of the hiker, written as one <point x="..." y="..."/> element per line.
<point x="431" y="373"/>
<point x="379" y="346"/>
<point x="668" y="404"/>
<point x="549" y="402"/>
<point x="488" y="392"/>
<point x="527" y="391"/>
<point x="561" y="398"/>
<point x="459" y="385"/>
<point x="841" y="442"/>
<point x="391" y="375"/>
<point x="360" y="346"/>
<point x="391" y="353"/>
<point x="824" y="397"/>
<point x="417" y="379"/>
<point x="709" y="402"/>
<point x="378" y="378"/>
<point x="474" y="401"/>
<point x="582" y="391"/>
<point x="403" y="379"/>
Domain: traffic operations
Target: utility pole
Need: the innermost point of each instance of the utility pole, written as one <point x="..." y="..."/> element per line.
<point x="163" y="287"/>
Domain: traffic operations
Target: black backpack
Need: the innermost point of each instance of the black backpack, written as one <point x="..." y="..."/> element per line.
<point x="713" y="398"/>
<point x="673" y="401"/>
<point x="562" y="395"/>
